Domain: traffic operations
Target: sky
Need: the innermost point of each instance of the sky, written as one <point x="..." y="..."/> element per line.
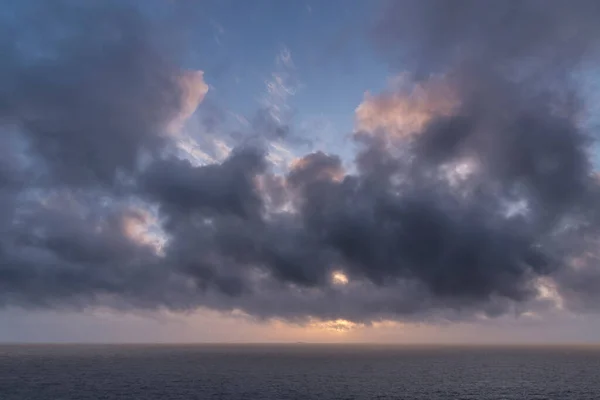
<point x="317" y="171"/>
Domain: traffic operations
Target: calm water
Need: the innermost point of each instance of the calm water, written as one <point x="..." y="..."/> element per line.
<point x="280" y="372"/>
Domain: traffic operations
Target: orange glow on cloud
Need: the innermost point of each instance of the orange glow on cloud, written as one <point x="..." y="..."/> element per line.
<point x="339" y="278"/>
<point x="136" y="225"/>
<point x="403" y="112"/>
<point x="193" y="89"/>
<point x="329" y="173"/>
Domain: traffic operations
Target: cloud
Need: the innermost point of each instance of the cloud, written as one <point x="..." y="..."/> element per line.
<point x="314" y="167"/>
<point x="479" y="207"/>
<point x="406" y="110"/>
<point x="193" y="90"/>
<point x="273" y="119"/>
<point x="524" y="38"/>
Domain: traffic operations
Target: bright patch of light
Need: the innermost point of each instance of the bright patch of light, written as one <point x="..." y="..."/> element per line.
<point x="143" y="228"/>
<point x="337" y="326"/>
<point x="222" y="149"/>
<point x="547" y="290"/>
<point x="460" y="171"/>
<point x="193" y="90"/>
<point x="339" y="278"/>
<point x="405" y="110"/>
<point x="531" y="314"/>
<point x="387" y="324"/>
<point x="191" y="151"/>
<point x="280" y="156"/>
<point x="516" y="208"/>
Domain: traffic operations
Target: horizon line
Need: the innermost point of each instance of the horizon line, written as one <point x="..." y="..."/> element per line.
<point x="300" y="343"/>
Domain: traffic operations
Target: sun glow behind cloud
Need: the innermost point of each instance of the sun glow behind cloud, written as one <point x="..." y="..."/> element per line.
<point x="339" y="278"/>
<point x="339" y="326"/>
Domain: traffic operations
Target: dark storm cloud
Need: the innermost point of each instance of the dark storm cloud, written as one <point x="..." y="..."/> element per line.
<point x="415" y="237"/>
<point x="542" y="35"/>
<point x="55" y="254"/>
<point x="88" y="85"/>
<point x="226" y="188"/>
<point x="85" y="90"/>
<point x="515" y="67"/>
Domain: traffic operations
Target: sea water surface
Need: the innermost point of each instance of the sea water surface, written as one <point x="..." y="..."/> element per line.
<point x="279" y="372"/>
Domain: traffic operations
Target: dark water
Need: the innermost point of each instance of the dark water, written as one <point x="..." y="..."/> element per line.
<point x="277" y="372"/>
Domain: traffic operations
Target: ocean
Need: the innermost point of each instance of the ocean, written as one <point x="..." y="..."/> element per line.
<point x="280" y="372"/>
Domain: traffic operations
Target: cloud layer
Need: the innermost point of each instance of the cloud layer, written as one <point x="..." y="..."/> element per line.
<point x="472" y="191"/>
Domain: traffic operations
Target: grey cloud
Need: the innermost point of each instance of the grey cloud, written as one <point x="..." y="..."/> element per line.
<point x="533" y="36"/>
<point x="515" y="68"/>
<point x="413" y="243"/>
<point x="227" y="188"/>
<point x="85" y="90"/>
<point x="454" y="247"/>
<point x="89" y="87"/>
<point x="51" y="256"/>
<point x="315" y="167"/>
